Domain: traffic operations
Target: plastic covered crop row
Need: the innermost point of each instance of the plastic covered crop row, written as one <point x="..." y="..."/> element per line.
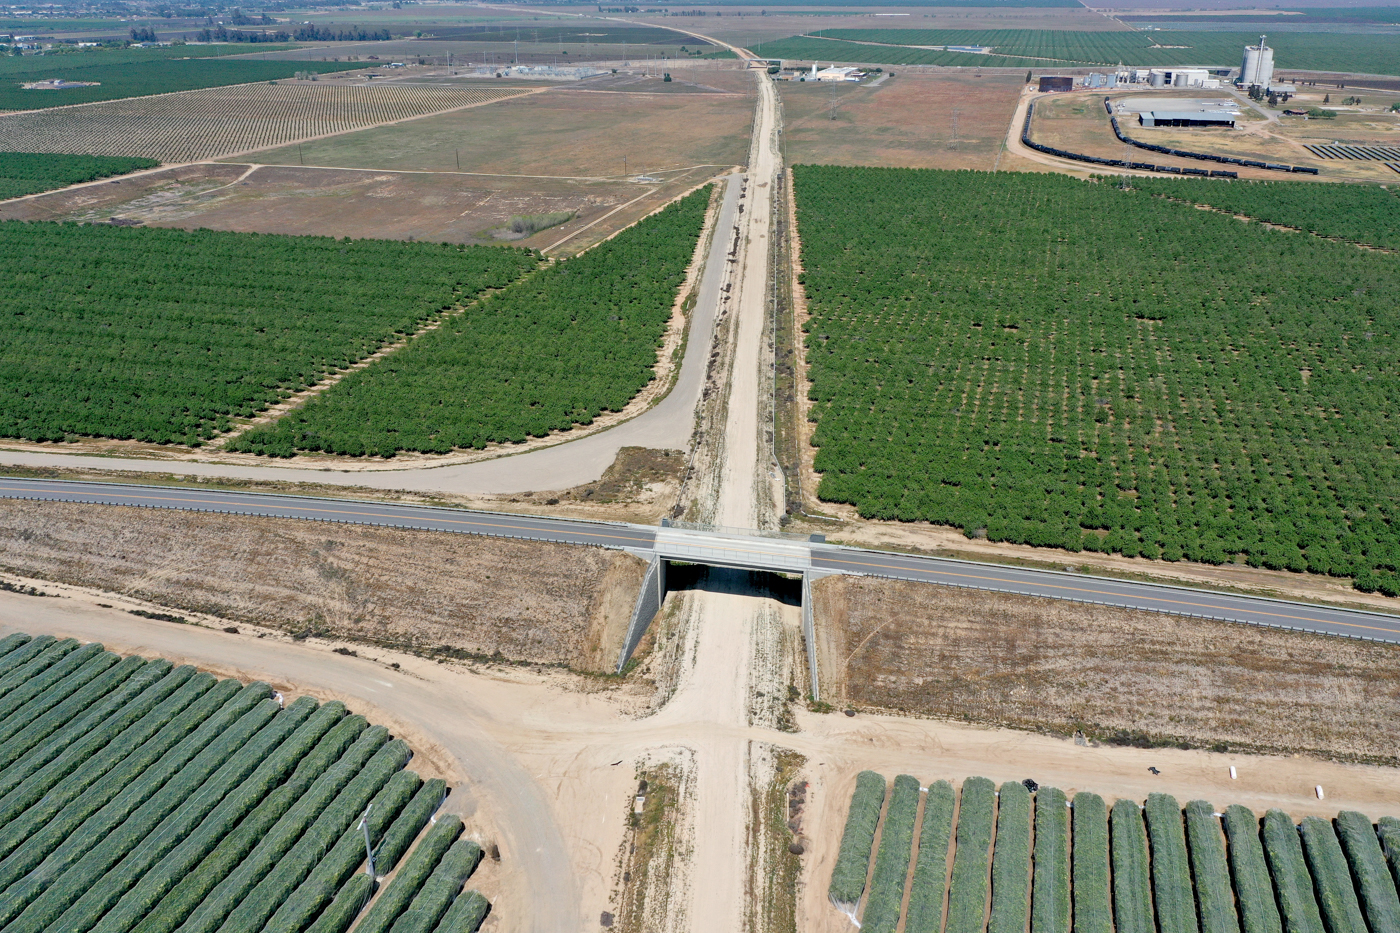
<point x="1132" y="885"/>
<point x="465" y="914"/>
<point x="235" y="848"/>
<point x="294" y="867"/>
<point x="1253" y="889"/>
<point x="1050" y="904"/>
<point x="443" y="886"/>
<point x="71" y="709"/>
<point x="178" y="861"/>
<point x="349" y="901"/>
<point x="1091" y="888"/>
<point x="1011" y="860"/>
<point x="1171" y="873"/>
<point x="409" y="824"/>
<point x="853" y="860"/>
<point x="1331" y="878"/>
<point x="892" y="860"/>
<point x="925" y="913"/>
<point x="1293" y="884"/>
<point x="38" y="695"/>
<point x="410" y="878"/>
<point x="1374" y="884"/>
<point x="332" y="871"/>
<point x="1214" y="898"/>
<point x="967" y="895"/>
<point x="264" y="857"/>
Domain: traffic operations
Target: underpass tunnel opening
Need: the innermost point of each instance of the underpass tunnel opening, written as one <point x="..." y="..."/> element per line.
<point x="666" y="576"/>
<point x="784" y="588"/>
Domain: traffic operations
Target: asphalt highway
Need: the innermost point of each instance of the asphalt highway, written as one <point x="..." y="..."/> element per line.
<point x="1206" y="604"/>
<point x="348" y="511"/>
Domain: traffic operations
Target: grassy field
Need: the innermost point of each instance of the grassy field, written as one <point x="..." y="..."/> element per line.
<point x="219" y="121"/>
<point x="1054" y="376"/>
<point x="1333" y="857"/>
<point x="561" y="132"/>
<point x="910" y="121"/>
<point x="145" y="796"/>
<point x="1116" y="675"/>
<point x="1366" y="54"/>
<point x="164" y="336"/>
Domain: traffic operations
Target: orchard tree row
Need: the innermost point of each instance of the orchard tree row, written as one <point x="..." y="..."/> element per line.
<point x="1056" y="362"/>
<point x="555" y="350"/>
<point x="166" y="335"/>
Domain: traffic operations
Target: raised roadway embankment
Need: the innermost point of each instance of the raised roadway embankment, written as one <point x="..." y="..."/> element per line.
<point x="734" y="549"/>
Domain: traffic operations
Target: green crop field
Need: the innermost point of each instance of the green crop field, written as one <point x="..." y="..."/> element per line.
<point x="1366" y="214"/>
<point x="137" y="77"/>
<point x="573" y="340"/>
<point x="1166" y="869"/>
<point x="1047" y="48"/>
<point x="165" y="335"/>
<point x="1066" y="363"/>
<point x="139" y="796"/>
<point x="24" y="173"/>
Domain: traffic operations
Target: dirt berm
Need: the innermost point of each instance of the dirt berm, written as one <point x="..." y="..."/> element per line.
<point x="1118" y="676"/>
<point x="423" y="591"/>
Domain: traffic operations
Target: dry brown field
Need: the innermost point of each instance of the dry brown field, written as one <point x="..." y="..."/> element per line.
<point x="566" y="131"/>
<point x="426" y="592"/>
<point x="949" y="121"/>
<point x="205" y="124"/>
<point x="1058" y="667"/>
<point x="354" y="203"/>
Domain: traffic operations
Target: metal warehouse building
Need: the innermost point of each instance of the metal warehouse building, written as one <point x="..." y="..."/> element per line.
<point x="1187" y="118"/>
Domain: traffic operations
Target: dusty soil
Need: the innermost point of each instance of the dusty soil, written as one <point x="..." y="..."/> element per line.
<point x="441" y="207"/>
<point x="560" y="133"/>
<point x="952" y="120"/>
<point x="429" y="592"/>
<point x="1056" y="667"/>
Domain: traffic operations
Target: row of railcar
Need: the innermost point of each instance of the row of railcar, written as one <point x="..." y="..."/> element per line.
<point x="1204" y="156"/>
<point x="1114" y="163"/>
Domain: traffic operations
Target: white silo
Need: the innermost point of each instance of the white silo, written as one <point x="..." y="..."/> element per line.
<point x="1258" y="65"/>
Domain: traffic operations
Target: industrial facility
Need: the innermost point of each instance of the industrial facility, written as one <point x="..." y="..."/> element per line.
<point x="1257" y="68"/>
<point x="1187" y="118"/>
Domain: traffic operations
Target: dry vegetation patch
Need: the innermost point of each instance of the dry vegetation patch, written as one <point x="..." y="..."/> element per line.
<point x="1116" y="675"/>
<point x="423" y="591"/>
<point x="205" y="124"/>
<point x="558" y="132"/>
<point x="908" y="121"/>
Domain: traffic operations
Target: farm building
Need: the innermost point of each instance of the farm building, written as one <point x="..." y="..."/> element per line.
<point x="1187" y="118"/>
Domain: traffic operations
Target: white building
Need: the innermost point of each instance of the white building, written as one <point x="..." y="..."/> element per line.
<point x="1258" y="65"/>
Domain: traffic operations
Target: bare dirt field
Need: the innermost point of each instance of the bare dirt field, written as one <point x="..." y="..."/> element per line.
<point x="1058" y="667"/>
<point x="949" y="121"/>
<point x="354" y="203"/>
<point x="429" y="592"/>
<point x="195" y="125"/>
<point x="557" y="132"/>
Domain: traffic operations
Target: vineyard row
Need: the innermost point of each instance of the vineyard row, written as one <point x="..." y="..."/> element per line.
<point x="140" y="796"/>
<point x="1026" y="858"/>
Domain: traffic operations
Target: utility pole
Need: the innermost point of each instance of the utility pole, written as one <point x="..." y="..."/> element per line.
<point x="458" y="154"/>
<point x="369" y="848"/>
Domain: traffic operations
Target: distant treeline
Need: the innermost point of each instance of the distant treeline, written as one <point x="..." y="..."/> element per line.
<point x="303" y="34"/>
